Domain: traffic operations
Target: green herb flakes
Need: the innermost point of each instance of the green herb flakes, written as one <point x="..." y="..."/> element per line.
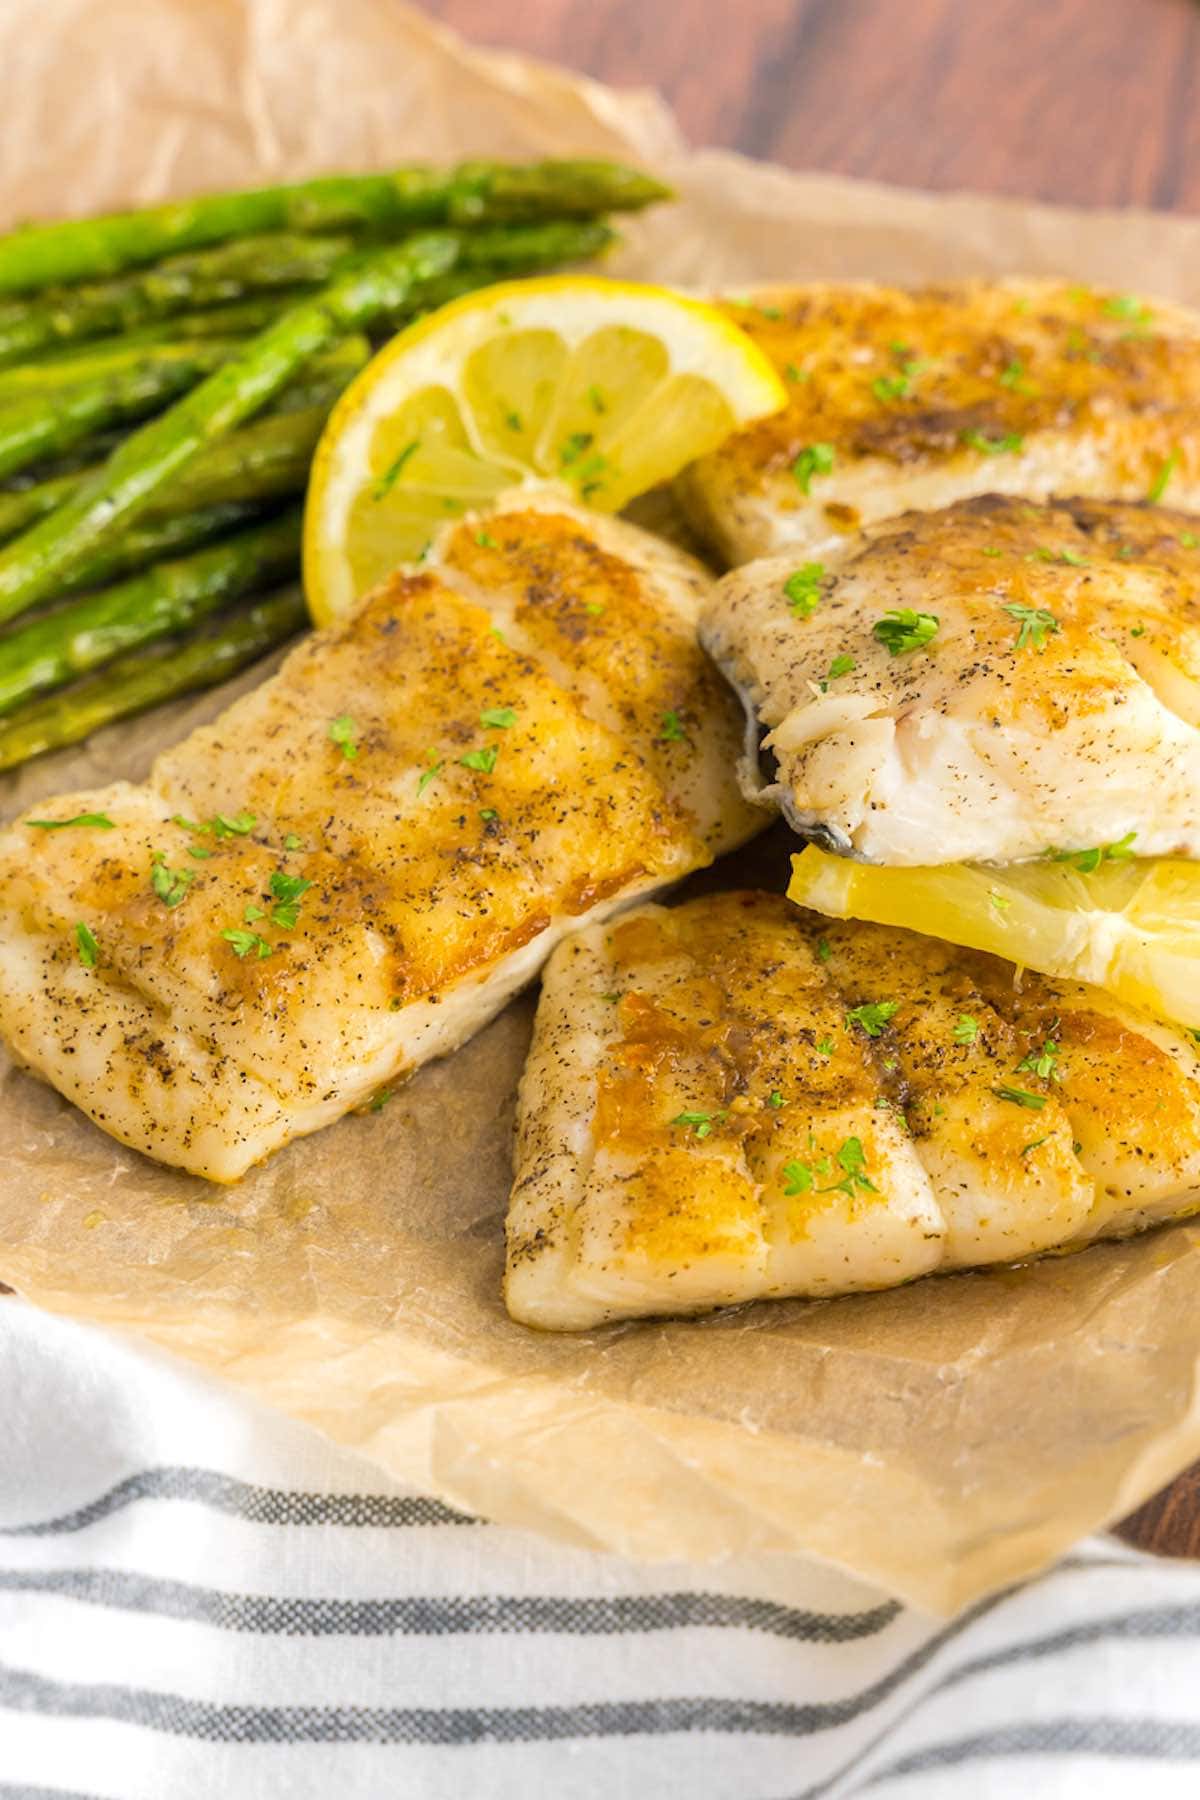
<point x="904" y="630"/>
<point x="699" y="1122"/>
<point x="498" y="718"/>
<point x="1021" y="1097"/>
<point x="87" y="947"/>
<point x="171" y="885"/>
<point x="395" y="469"/>
<point x="483" y="760"/>
<point x="976" y="440"/>
<point x="814" y="459"/>
<point x="1035" y="624"/>
<point x="246" y="943"/>
<point x="344" y="733"/>
<point x="873" y="1016"/>
<point x="966" y="1029"/>
<point x="100" y="821"/>
<point x="803" y="589"/>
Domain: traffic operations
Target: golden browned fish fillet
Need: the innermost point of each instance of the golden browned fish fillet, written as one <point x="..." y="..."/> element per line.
<point x="985" y="682"/>
<point x="917" y="398"/>
<point x="733" y="1100"/>
<point x="357" y="864"/>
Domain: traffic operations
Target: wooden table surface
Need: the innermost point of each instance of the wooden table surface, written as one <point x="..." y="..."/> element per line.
<point x="1088" y="102"/>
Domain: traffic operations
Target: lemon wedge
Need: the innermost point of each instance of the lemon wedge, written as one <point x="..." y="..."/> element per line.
<point x="607" y="386"/>
<point x="1132" y="927"/>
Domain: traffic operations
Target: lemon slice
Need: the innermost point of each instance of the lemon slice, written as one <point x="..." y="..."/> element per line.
<point x="1132" y="927"/>
<point x="605" y="385"/>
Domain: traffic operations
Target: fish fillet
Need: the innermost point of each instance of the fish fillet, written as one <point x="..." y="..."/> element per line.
<point x="733" y="1100"/>
<point x="1055" y="703"/>
<point x="358" y="863"/>
<point x="913" y="399"/>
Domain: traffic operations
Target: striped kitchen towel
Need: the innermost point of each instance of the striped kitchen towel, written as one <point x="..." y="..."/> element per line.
<point x="201" y="1600"/>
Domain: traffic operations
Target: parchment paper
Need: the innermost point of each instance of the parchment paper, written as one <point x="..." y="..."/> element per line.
<point x="941" y="1440"/>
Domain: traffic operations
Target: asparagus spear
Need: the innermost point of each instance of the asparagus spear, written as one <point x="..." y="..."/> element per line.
<point x="144" y="678"/>
<point x="169" y="598"/>
<point x="238" y="319"/>
<point x="41" y="256"/>
<point x="35" y="564"/>
<point x="117" y="359"/>
<point x="264" y="461"/>
<point x="183" y="283"/>
<point x="154" y="541"/>
<point x="36" y="426"/>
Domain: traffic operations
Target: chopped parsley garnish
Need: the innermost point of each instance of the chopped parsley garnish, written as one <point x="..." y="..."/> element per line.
<point x="700" y="1122"/>
<point x="795" y="374"/>
<point x="825" y="1047"/>
<point x="292" y="842"/>
<point x="1128" y="306"/>
<point x="486" y="541"/>
<point x="1087" y="861"/>
<point x="1073" y="558"/>
<point x="999" y="903"/>
<point x="1021" y="1097"/>
<point x="199" y="852"/>
<point x="287" y="890"/>
<point x="671" y="730"/>
<point x="100" y="820"/>
<point x="1158" y="486"/>
<point x="803" y="589"/>
<point x="903" y="630"/>
<point x="88" y="948"/>
<point x="171" y="885"/>
<point x="1035" y="623"/>
<point x="483" y="760"/>
<point x="1043" y="1063"/>
<point x="223" y="825"/>
<point x="573" y="448"/>
<point x="976" y="440"/>
<point x="488" y="813"/>
<point x="344" y="733"/>
<point x="966" y="1030"/>
<point x="594" y="607"/>
<point x="513" y="421"/>
<point x="814" y="459"/>
<point x="892" y="387"/>
<point x="596" y="400"/>
<point x="776" y="1099"/>
<point x="251" y="911"/>
<point x="798" y="1178"/>
<point x="246" y="943"/>
<point x="1188" y="540"/>
<point x="769" y="312"/>
<point x="873" y="1016"/>
<point x="497" y="718"/>
<point x="1027" y="1149"/>
<point x="992" y="550"/>
<point x="841" y="665"/>
<point x="380" y="1100"/>
<point x="1012" y="376"/>
<point x="823" y="950"/>
<point x="395" y="469"/>
<point x="427" y="774"/>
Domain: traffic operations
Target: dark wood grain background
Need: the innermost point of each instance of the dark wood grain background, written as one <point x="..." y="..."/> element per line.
<point x="1088" y="102"/>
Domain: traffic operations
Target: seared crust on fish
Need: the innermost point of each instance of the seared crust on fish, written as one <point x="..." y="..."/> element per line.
<point x="1044" y="693"/>
<point x="733" y="1100"/>
<point x="918" y="398"/>
<point x="358" y="863"/>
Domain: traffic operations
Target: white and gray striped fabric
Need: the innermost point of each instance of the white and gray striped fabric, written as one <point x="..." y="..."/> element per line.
<point x="198" y="1599"/>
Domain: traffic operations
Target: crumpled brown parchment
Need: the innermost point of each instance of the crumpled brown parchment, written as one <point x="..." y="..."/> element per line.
<point x="941" y="1440"/>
